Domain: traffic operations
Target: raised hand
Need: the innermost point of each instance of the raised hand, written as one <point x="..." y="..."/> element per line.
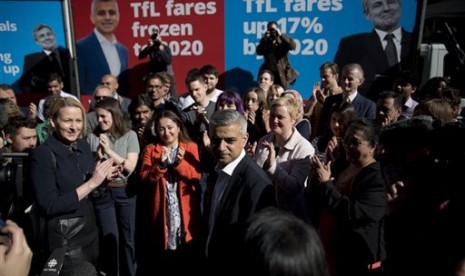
<point x="104" y="142"/>
<point x="272" y="152"/>
<point x="323" y="171"/>
<point x="251" y="115"/>
<point x="250" y="148"/>
<point x="165" y="153"/>
<point x="32" y="110"/>
<point x="15" y="254"/>
<point x="103" y="170"/>
<point x="179" y="155"/>
<point x="332" y="145"/>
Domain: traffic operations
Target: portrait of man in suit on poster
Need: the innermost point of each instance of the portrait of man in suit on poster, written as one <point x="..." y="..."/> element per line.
<point x="383" y="52"/>
<point x="40" y="65"/>
<point x="100" y="53"/>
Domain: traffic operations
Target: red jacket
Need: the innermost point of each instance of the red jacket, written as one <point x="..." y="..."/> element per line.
<point x="188" y="177"/>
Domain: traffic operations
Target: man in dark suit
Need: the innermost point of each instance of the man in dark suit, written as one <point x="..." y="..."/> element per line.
<point x="38" y="66"/>
<point x="380" y="59"/>
<point x="239" y="189"/>
<point x="352" y="78"/>
<point x="100" y="53"/>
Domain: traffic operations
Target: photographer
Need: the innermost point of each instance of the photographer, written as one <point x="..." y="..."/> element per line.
<point x="16" y="194"/>
<point x="159" y="54"/>
<point x="274" y="47"/>
<point x="20" y="135"/>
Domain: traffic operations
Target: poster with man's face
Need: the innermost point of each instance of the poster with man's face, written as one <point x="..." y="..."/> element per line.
<point x="27" y="30"/>
<point x="221" y="33"/>
<point x="226" y="33"/>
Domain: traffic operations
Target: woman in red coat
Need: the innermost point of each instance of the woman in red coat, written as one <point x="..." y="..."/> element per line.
<point x="170" y="167"/>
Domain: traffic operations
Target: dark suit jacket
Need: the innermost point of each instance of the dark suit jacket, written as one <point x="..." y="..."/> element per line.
<point x="196" y="128"/>
<point x="37" y="68"/>
<point x="363" y="106"/>
<point x="55" y="181"/>
<point x="92" y="65"/>
<point x="359" y="216"/>
<point x="248" y="191"/>
<point x="366" y="49"/>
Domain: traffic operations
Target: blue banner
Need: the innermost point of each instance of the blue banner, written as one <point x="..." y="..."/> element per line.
<point x="316" y="25"/>
<point x="17" y="21"/>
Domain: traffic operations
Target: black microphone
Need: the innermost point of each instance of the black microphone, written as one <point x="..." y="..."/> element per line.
<point x="54" y="263"/>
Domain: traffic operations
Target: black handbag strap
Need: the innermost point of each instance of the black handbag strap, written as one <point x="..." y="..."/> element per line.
<point x="54" y="160"/>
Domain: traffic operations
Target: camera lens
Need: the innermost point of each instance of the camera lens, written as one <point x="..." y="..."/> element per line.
<point x="273" y="34"/>
<point x="6" y="173"/>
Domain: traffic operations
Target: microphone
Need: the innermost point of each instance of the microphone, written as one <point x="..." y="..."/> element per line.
<point x="5" y="154"/>
<point x="54" y="263"/>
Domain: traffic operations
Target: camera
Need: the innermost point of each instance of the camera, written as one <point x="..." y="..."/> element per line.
<point x="12" y="187"/>
<point x="154" y="36"/>
<point x="273" y="34"/>
<point x="155" y="41"/>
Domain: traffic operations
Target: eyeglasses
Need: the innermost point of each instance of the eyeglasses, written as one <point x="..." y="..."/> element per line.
<point x="150" y="87"/>
<point x="353" y="142"/>
<point x="99" y="98"/>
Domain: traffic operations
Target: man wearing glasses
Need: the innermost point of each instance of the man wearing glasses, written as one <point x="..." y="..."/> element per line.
<point x="112" y="82"/>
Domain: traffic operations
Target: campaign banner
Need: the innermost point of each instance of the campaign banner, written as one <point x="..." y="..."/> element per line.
<point x="225" y="34"/>
<point x="315" y="25"/>
<point x="221" y="33"/>
<point x="17" y="22"/>
<point x="194" y="31"/>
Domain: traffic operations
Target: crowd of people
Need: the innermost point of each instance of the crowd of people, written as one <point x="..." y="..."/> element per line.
<point x="158" y="185"/>
<point x="348" y="182"/>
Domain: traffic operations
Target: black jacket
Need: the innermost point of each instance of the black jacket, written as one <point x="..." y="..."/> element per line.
<point x="248" y="191"/>
<point x="55" y="180"/>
